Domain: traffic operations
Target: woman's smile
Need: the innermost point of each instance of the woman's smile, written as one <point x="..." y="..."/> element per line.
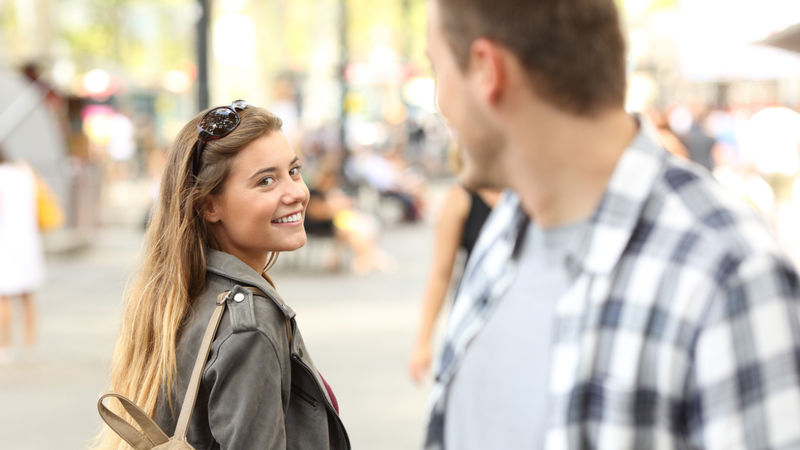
<point x="293" y="219"/>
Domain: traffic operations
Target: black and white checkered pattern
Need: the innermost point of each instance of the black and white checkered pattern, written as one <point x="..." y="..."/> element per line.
<point x="681" y="326"/>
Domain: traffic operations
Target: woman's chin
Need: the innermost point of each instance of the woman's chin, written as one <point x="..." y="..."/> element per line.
<point x="293" y="244"/>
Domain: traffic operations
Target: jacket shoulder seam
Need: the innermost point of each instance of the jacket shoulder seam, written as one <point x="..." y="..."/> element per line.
<point x="213" y="360"/>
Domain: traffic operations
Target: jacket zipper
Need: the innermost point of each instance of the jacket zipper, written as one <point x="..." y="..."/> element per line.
<point x="304" y="396"/>
<point x="328" y="404"/>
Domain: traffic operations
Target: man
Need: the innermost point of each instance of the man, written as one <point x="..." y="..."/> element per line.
<point x="643" y="307"/>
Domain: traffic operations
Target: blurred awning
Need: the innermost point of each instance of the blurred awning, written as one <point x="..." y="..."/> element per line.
<point x="788" y="39"/>
<point x="719" y="40"/>
<point x="737" y="61"/>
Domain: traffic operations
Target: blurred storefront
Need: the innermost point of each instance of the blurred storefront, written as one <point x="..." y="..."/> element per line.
<point x="114" y="78"/>
<point x="709" y="51"/>
<point x="124" y="79"/>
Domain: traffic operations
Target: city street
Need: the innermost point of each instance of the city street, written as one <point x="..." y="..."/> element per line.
<point x="358" y="328"/>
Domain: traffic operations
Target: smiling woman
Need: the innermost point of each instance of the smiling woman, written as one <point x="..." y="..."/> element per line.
<point x="231" y="199"/>
<point x="250" y="215"/>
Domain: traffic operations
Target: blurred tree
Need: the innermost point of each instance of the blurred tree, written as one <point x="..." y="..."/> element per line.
<point x="138" y="38"/>
<point x="299" y="20"/>
<point x="142" y="37"/>
<point x="664" y="4"/>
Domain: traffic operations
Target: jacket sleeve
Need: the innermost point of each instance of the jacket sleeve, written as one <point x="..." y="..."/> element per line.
<point x="745" y="389"/>
<point x="245" y="407"/>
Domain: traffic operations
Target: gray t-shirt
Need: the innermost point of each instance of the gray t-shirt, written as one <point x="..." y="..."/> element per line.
<point x="497" y="399"/>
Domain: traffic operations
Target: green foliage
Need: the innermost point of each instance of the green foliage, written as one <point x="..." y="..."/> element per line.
<point x="653" y="6"/>
<point x="106" y="37"/>
<point x="292" y="27"/>
<point x="93" y="42"/>
<point x="664" y="4"/>
<point x="405" y="19"/>
<point x="300" y="16"/>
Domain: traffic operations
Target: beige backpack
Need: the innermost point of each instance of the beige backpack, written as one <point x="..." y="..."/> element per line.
<point x="152" y="437"/>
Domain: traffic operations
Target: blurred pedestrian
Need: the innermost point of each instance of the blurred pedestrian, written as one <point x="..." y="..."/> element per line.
<point x="644" y="307"/>
<point x="698" y="143"/>
<point x="231" y="198"/>
<point x="331" y="212"/>
<point x="668" y="139"/>
<point x="459" y="226"/>
<point x="390" y="175"/>
<point x="22" y="268"/>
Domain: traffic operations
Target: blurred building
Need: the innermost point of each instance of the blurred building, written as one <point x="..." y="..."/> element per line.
<point x="707" y="51"/>
<point x="123" y="75"/>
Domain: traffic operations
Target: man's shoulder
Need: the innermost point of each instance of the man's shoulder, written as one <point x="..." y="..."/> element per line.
<point x="691" y="220"/>
<point x="688" y="198"/>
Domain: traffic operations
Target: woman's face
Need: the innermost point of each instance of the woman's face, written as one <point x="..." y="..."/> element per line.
<point x="262" y="203"/>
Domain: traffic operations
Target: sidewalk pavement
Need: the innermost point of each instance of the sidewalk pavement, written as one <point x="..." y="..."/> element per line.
<point x="359" y="330"/>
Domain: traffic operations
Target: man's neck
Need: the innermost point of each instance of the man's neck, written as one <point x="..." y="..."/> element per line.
<point x="560" y="164"/>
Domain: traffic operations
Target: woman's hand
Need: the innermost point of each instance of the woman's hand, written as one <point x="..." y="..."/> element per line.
<point x="419" y="363"/>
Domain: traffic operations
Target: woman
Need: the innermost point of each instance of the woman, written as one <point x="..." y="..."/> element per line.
<point x="22" y="267"/>
<point x="459" y="225"/>
<point x="231" y="198"/>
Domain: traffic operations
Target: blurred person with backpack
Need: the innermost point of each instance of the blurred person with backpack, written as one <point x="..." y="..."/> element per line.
<point x="22" y="264"/>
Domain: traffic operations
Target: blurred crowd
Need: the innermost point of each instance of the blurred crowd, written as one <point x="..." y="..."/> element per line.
<point x="753" y="150"/>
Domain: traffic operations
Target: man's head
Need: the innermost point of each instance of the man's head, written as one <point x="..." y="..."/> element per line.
<point x="569" y="53"/>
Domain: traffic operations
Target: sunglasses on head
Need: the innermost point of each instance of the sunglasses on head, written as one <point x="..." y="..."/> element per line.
<point x="215" y="124"/>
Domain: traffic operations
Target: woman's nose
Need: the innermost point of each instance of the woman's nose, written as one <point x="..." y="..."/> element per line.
<point x="295" y="193"/>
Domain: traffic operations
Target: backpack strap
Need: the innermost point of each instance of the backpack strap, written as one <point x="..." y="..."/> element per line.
<point x="152" y="435"/>
<point x="197" y="373"/>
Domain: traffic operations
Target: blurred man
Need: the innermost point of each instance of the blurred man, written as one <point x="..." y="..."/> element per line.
<point x="642" y="307"/>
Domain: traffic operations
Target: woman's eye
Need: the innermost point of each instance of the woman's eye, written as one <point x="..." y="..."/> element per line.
<point x="295" y="171"/>
<point x="267" y="181"/>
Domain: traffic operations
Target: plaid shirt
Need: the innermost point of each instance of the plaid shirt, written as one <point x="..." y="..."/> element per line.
<point x="680" y="328"/>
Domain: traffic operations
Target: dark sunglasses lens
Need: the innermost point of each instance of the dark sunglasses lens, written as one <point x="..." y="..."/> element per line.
<point x="219" y="122"/>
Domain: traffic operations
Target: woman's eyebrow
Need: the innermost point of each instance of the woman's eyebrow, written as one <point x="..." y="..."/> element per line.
<point x="263" y="171"/>
<point x="272" y="169"/>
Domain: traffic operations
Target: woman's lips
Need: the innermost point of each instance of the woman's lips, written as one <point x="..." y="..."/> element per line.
<point x="291" y="219"/>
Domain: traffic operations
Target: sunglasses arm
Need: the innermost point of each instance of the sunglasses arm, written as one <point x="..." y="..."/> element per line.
<point x="198" y="151"/>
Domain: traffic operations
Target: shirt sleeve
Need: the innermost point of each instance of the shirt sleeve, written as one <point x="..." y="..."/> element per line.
<point x="245" y="406"/>
<point x="744" y="388"/>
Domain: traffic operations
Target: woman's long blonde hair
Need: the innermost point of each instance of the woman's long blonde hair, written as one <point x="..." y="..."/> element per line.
<point x="172" y="265"/>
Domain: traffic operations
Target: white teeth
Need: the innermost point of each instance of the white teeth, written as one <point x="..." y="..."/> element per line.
<point x="292" y="218"/>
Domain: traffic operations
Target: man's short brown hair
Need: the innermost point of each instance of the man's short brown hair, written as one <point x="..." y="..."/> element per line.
<point x="573" y="50"/>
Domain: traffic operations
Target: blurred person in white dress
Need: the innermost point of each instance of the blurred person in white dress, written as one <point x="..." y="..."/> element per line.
<point x="22" y="267"/>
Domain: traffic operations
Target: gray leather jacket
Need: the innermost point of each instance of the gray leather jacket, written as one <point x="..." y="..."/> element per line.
<point x="259" y="391"/>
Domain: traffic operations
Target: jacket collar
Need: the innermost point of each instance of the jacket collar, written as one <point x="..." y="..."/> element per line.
<point x="620" y="209"/>
<point x="231" y="267"/>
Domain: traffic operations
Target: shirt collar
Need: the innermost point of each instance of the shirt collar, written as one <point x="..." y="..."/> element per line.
<point x="231" y="267"/>
<point x="613" y="222"/>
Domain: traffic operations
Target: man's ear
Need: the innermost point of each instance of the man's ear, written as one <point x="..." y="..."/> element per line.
<point x="211" y="209"/>
<point x="487" y="67"/>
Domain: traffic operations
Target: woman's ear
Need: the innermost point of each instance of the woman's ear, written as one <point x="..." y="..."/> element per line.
<point x="211" y="209"/>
